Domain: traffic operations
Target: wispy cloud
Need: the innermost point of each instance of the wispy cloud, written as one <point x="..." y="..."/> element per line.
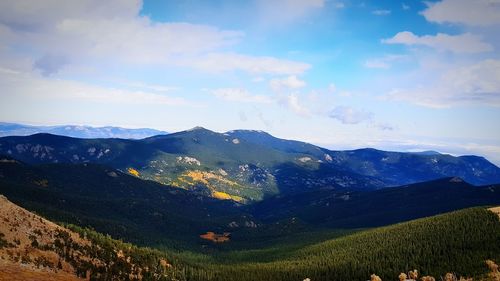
<point x="221" y="62"/>
<point x="289" y="83"/>
<point x="240" y="95"/>
<point x="293" y="103"/>
<point x="148" y="87"/>
<point x="384" y="62"/>
<point x="50" y="64"/>
<point x="475" y="84"/>
<point x="339" y="5"/>
<point x="473" y="13"/>
<point x="463" y="43"/>
<point x="24" y="86"/>
<point x="349" y="115"/>
<point x="286" y="11"/>
<point x="381" y="12"/>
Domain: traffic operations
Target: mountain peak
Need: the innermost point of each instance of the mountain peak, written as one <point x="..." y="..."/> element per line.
<point x="456" y="180"/>
<point x="197" y="128"/>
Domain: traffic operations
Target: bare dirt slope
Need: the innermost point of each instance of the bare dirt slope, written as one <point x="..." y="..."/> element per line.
<point x="28" y="248"/>
<point x="495" y="210"/>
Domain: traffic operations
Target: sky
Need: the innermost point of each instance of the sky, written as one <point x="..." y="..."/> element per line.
<point x="395" y="75"/>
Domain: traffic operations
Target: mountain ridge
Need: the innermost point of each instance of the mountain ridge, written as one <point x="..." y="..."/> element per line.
<point x="78" y="131"/>
<point x="248" y="165"/>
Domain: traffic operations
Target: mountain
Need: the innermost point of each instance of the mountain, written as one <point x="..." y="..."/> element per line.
<point x="246" y="166"/>
<point x="397" y="168"/>
<point x="393" y="168"/>
<point x="200" y="160"/>
<point x="88" y="132"/>
<point x="378" y="207"/>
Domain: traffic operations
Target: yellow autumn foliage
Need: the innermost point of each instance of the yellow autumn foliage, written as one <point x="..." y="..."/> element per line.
<point x="221" y="195"/>
<point x="203" y="177"/>
<point x="133" y="172"/>
<point x="196" y="176"/>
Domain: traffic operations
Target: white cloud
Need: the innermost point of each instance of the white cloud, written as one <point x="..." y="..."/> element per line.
<point x="220" y="62"/>
<point x="49" y="64"/>
<point x="476" y="84"/>
<point x="332" y="88"/>
<point x="467" y="12"/>
<point x="405" y="6"/>
<point x="376" y="63"/>
<point x="349" y="115"/>
<point x="32" y="15"/>
<point x="381" y="12"/>
<point x="91" y="33"/>
<point x="4" y="70"/>
<point x="293" y="103"/>
<point x="290" y="82"/>
<point x="113" y="29"/>
<point x="258" y="79"/>
<point x="22" y="86"/>
<point x="384" y="62"/>
<point x="148" y="87"/>
<point x="135" y="40"/>
<point x="385" y="127"/>
<point x="240" y="95"/>
<point x="463" y="43"/>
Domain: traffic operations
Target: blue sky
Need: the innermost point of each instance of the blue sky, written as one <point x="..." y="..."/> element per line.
<point x="395" y="75"/>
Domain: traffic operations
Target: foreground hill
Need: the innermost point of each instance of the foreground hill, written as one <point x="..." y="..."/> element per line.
<point x="247" y="166"/>
<point x="13" y="129"/>
<point x="33" y="248"/>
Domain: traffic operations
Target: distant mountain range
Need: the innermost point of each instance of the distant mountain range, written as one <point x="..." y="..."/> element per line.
<point x="246" y="166"/>
<point x="13" y="129"/>
<point x="378" y="207"/>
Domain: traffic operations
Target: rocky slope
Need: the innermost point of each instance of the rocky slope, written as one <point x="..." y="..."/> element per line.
<point x="33" y="248"/>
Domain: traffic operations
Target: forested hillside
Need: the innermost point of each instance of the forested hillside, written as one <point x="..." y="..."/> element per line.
<point x="458" y="242"/>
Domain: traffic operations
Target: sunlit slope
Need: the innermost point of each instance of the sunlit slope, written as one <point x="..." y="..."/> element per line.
<point x="33" y="248"/>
